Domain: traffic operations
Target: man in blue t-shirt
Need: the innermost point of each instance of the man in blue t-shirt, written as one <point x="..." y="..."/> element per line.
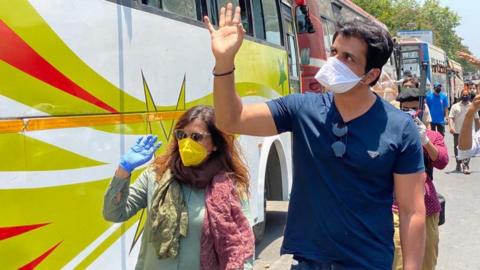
<point x="438" y="104"/>
<point x="351" y="152"/>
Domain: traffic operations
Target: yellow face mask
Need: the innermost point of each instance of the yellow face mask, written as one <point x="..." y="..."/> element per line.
<point x="192" y="153"/>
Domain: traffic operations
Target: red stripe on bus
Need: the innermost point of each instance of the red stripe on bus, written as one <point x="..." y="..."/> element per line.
<point x="19" y="54"/>
<point x="8" y="232"/>
<point x="31" y="265"/>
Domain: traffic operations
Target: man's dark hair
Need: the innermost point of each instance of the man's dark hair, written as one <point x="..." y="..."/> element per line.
<point x="379" y="41"/>
<point x="408" y="94"/>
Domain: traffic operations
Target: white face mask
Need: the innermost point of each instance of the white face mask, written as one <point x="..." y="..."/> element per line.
<point x="337" y="77"/>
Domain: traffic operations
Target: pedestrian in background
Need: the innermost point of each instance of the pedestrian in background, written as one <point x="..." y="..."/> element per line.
<point x="351" y="151"/>
<point x="196" y="196"/>
<point x="456" y="119"/>
<point x="438" y="104"/>
<point x="435" y="156"/>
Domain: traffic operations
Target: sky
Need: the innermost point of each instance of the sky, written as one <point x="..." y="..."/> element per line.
<point x="469" y="23"/>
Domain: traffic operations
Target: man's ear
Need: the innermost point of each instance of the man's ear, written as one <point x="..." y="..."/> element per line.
<point x="371" y="76"/>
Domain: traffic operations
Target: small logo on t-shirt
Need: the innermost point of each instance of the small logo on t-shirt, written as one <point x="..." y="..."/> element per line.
<point x="373" y="154"/>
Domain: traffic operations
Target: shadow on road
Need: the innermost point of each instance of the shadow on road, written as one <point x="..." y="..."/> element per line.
<point x="276" y="220"/>
<point x="461" y="173"/>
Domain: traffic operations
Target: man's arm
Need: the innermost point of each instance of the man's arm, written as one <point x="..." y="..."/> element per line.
<point x="465" y="138"/>
<point x="409" y="192"/>
<point x="231" y="115"/>
<point x="451" y="125"/>
<point x="447" y="104"/>
<point x="451" y="118"/>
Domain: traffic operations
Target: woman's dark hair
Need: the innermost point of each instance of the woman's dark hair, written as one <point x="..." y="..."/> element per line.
<point x="227" y="148"/>
<point x="378" y="40"/>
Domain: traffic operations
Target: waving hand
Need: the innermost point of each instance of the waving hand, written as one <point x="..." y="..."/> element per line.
<point x="228" y="38"/>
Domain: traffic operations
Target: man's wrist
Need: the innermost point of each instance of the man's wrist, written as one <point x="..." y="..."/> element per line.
<point x="224" y="66"/>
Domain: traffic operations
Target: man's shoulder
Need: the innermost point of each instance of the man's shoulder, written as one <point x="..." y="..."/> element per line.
<point x="316" y="100"/>
<point x="392" y="111"/>
<point x="397" y="118"/>
<point x="456" y="105"/>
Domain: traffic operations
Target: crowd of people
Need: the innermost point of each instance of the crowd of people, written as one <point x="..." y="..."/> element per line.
<point x="363" y="195"/>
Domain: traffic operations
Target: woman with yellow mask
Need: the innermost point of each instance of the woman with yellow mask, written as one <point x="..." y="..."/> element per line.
<point x="196" y="196"/>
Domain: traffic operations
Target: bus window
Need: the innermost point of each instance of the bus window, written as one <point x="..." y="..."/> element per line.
<point x="152" y="3"/>
<point x="272" y="22"/>
<point x="291" y="46"/>
<point x="258" y="20"/>
<point x="345" y="13"/>
<point x="244" y="5"/>
<point x="223" y="3"/>
<point x="187" y="8"/>
<point x="304" y="23"/>
<point x="325" y="8"/>
<point x="328" y="31"/>
<point x="292" y="55"/>
<point x="337" y="11"/>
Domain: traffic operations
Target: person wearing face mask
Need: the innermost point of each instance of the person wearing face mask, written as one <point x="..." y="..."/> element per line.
<point x="352" y="151"/>
<point x="438" y="104"/>
<point x="435" y="156"/>
<point x="410" y="83"/>
<point x="195" y="196"/>
<point x="456" y="118"/>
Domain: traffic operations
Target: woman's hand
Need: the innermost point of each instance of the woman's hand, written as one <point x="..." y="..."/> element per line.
<point x="140" y="153"/>
<point x="226" y="41"/>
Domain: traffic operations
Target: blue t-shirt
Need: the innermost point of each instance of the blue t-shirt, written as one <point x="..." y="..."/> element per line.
<point x="341" y="208"/>
<point x="437" y="105"/>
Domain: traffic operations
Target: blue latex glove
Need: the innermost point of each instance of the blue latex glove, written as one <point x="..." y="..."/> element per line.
<point x="140" y="153"/>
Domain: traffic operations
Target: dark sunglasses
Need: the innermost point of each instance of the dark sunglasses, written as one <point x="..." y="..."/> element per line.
<point x="339" y="147"/>
<point x="196" y="136"/>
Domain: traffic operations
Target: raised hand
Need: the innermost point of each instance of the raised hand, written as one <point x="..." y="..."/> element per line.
<point x="226" y="41"/>
<point x="422" y="131"/>
<point x="140" y="153"/>
<point x="475" y="106"/>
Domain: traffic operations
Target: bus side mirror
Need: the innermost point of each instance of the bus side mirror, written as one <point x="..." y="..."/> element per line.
<point x="304" y="23"/>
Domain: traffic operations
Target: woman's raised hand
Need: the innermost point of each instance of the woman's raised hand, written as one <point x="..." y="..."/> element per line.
<point x="140" y="153"/>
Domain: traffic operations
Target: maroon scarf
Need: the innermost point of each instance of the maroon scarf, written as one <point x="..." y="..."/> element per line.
<point x="227" y="239"/>
<point x="197" y="176"/>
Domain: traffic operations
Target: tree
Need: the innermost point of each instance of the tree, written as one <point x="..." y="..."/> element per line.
<point x="412" y="15"/>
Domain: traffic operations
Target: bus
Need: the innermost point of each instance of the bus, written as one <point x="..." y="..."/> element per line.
<point x="81" y="80"/>
<point x="316" y="21"/>
<point x="415" y="54"/>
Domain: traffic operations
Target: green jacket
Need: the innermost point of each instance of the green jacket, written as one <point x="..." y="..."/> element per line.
<point x="138" y="196"/>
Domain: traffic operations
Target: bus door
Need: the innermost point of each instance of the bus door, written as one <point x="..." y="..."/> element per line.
<point x="410" y="59"/>
<point x="412" y="63"/>
<point x="290" y="41"/>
